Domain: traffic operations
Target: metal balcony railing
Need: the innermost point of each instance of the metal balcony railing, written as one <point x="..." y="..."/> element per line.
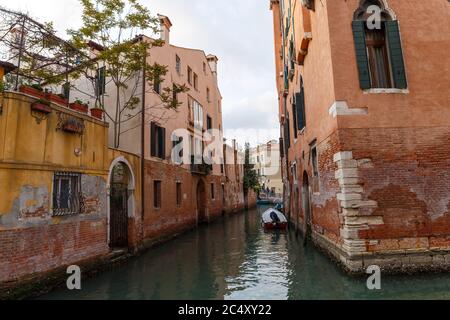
<point x="198" y="166"/>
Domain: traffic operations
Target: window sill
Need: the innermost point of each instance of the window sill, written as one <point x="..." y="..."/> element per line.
<point x="386" y="91"/>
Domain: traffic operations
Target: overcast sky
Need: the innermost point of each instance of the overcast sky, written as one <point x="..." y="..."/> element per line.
<point x="238" y="32"/>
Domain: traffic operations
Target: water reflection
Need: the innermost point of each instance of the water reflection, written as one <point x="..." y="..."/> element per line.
<point x="235" y="259"/>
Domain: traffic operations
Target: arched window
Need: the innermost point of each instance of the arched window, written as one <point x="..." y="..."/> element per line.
<point x="378" y="46"/>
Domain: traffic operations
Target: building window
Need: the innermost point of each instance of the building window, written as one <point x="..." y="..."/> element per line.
<point x="315" y="162"/>
<point x="100" y="81"/>
<point x="204" y="67"/>
<point x="157" y="85"/>
<point x="65" y="90"/>
<point x="198" y="115"/>
<point x="300" y="110"/>
<point x="157" y="194"/>
<point x="158" y="141"/>
<point x="178" y="149"/>
<point x="66" y="193"/>
<point x="295" y="119"/>
<point x="178" y="64"/>
<point x="287" y="133"/>
<point x="179" y="194"/>
<point x="379" y="52"/>
<point x="174" y="93"/>
<point x="380" y="71"/>
<point x="208" y="95"/>
<point x="213" y="191"/>
<point x="195" y="81"/>
<point x="189" y="75"/>
<point x="209" y="125"/>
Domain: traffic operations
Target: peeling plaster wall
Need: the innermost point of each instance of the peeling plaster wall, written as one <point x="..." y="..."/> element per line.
<point x="32" y="241"/>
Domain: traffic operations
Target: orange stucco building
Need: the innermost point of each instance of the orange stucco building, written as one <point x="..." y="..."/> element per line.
<point x="364" y="114"/>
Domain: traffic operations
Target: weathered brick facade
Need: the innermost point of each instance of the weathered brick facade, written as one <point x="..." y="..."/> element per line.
<point x="372" y="159"/>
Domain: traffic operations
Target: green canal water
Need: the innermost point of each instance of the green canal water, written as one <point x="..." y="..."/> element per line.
<point x="235" y="259"/>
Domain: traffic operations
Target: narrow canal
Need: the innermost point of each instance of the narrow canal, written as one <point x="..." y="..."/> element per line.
<point x="235" y="259"/>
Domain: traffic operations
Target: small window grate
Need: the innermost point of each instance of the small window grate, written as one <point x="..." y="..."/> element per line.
<point x="66" y="194"/>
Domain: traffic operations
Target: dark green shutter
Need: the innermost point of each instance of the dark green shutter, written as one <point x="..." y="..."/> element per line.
<point x="287" y="133"/>
<point x="162" y="143"/>
<point x="301" y="116"/>
<point x="294" y="118"/>
<point x="281" y="147"/>
<point x="66" y="90"/>
<point x="396" y="54"/>
<point x="153" y="139"/>
<point x="359" y="35"/>
<point x="101" y="81"/>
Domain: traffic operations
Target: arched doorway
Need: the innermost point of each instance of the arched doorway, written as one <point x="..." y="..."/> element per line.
<point x="121" y="202"/>
<point x="201" y="202"/>
<point x="306" y="201"/>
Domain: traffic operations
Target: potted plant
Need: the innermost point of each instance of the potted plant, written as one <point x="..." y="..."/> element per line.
<point x="42" y="106"/>
<point x="97" y="113"/>
<point x="59" y="99"/>
<point x="73" y="125"/>
<point x="34" y="90"/>
<point x="79" y="106"/>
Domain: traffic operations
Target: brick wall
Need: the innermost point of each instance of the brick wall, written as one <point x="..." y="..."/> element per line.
<point x="409" y="179"/>
<point x="29" y="251"/>
<point x="171" y="218"/>
<point x="381" y="191"/>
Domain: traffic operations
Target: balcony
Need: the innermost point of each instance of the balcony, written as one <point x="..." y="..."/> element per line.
<point x="199" y="167"/>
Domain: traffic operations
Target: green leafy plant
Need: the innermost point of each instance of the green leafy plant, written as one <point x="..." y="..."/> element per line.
<point x="78" y="101"/>
<point x="2" y="87"/>
<point x="37" y="87"/>
<point x="116" y="26"/>
<point x="251" y="178"/>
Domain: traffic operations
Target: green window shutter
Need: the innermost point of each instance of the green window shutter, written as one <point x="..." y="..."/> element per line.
<point x="301" y="116"/>
<point x="66" y="90"/>
<point x="359" y="35"/>
<point x="287" y="133"/>
<point x="282" y="148"/>
<point x="162" y="144"/>
<point x="396" y="54"/>
<point x="101" y="81"/>
<point x="294" y="118"/>
<point x="153" y="139"/>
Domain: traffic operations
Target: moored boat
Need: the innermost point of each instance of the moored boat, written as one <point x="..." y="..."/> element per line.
<point x="273" y="219"/>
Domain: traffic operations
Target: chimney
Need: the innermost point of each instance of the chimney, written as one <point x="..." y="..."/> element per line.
<point x="212" y="60"/>
<point x="165" y="28"/>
